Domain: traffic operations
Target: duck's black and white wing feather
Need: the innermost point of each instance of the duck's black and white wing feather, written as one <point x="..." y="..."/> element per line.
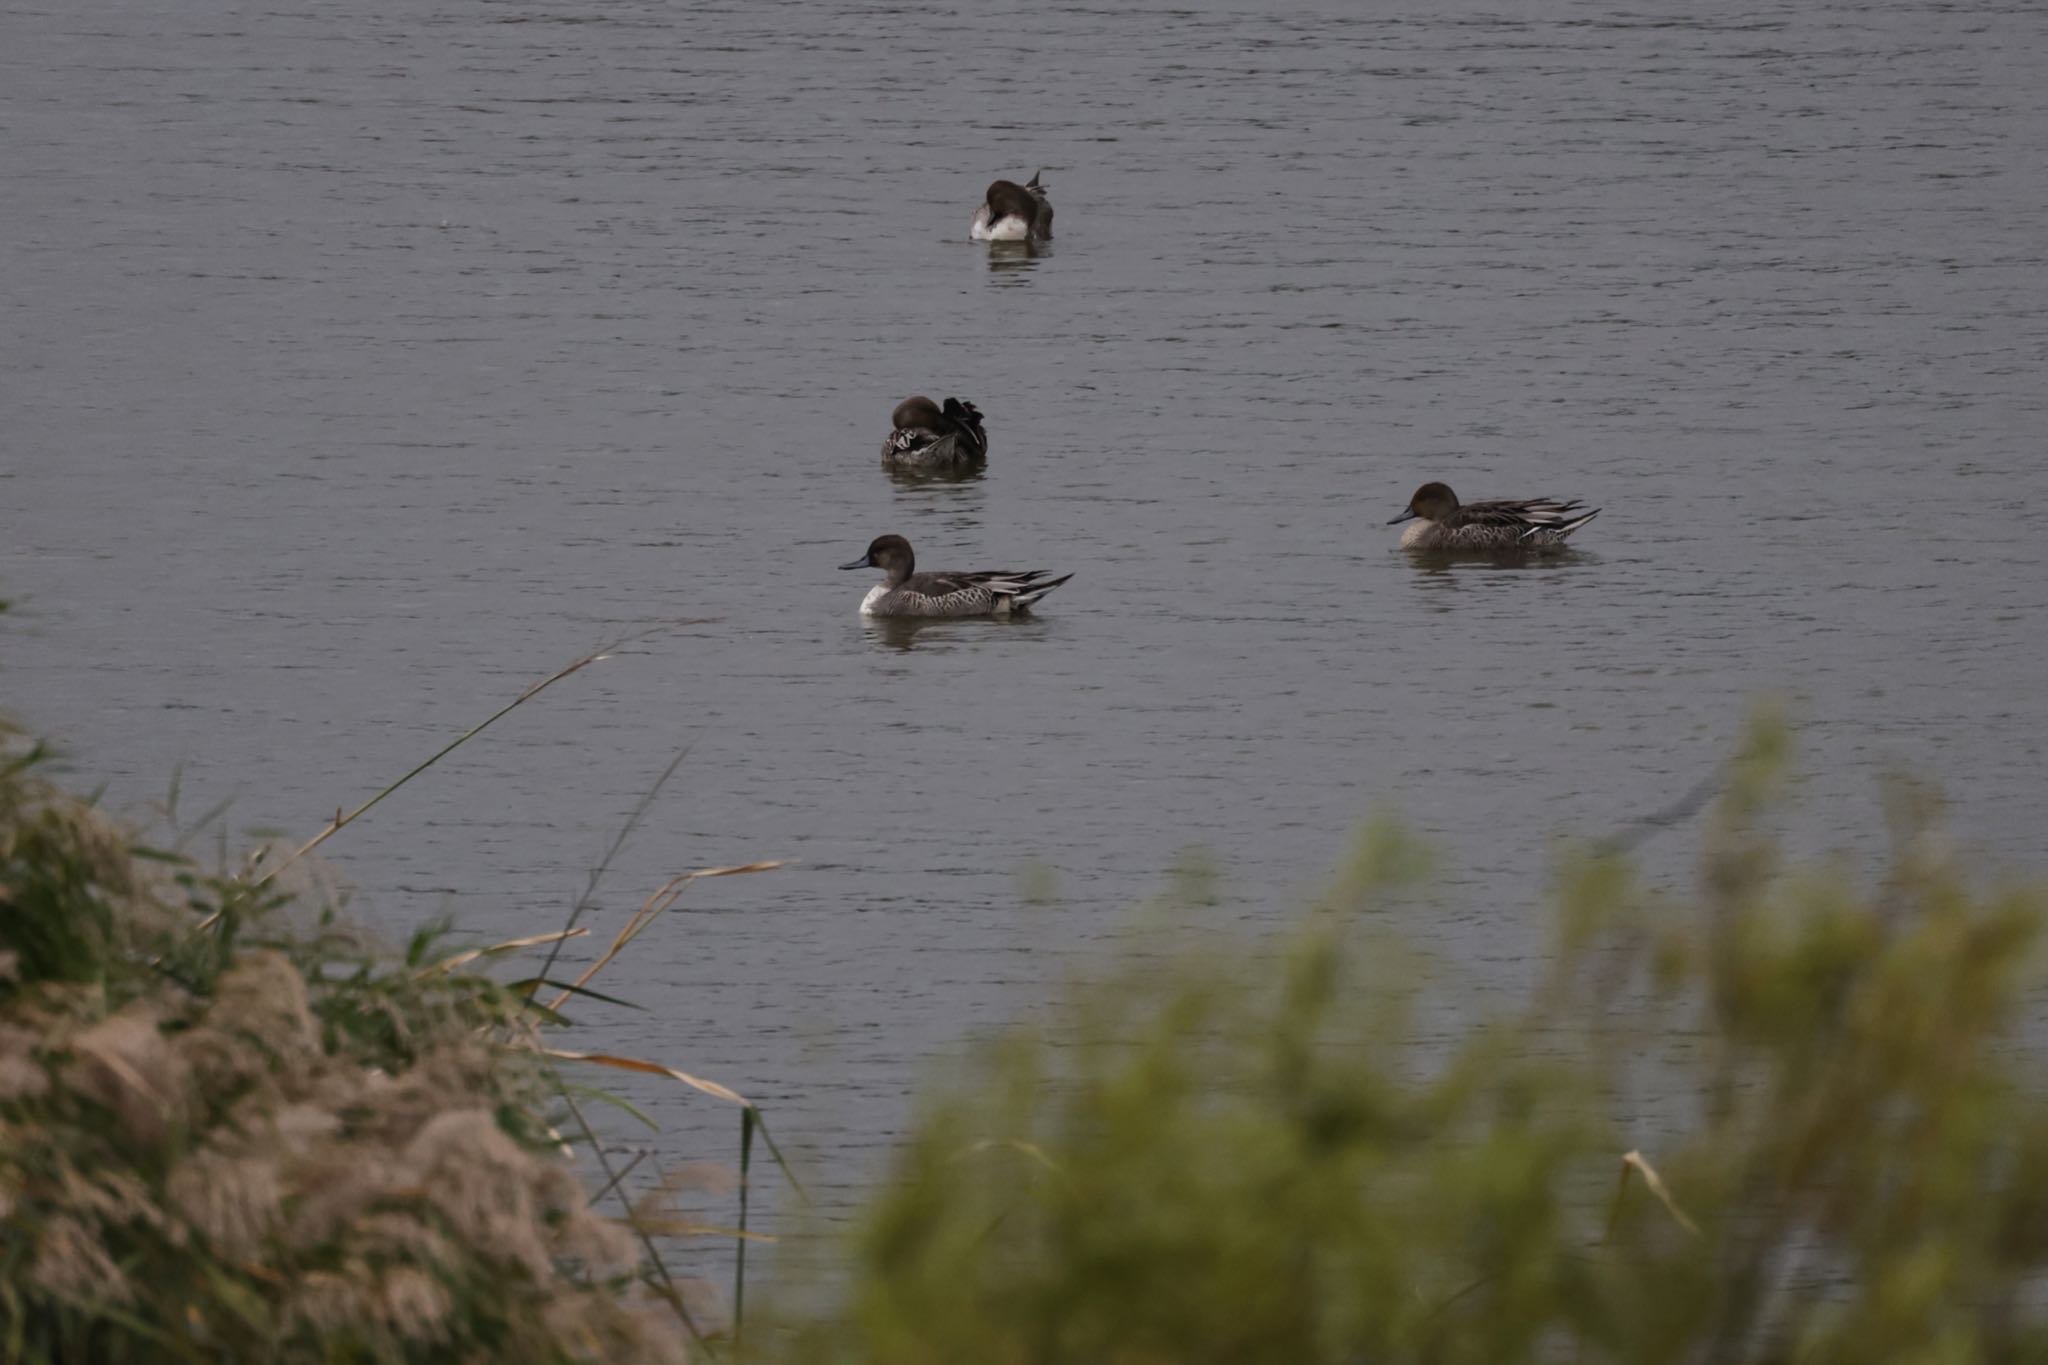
<point x="952" y="435"/>
<point x="1520" y="519"/>
<point x="975" y="594"/>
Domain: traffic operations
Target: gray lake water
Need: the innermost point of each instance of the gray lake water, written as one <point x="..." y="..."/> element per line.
<point x="365" y="363"/>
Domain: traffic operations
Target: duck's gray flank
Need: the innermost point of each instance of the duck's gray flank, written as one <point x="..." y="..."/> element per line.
<point x="987" y="592"/>
<point x="928" y="435"/>
<point x="1444" y="523"/>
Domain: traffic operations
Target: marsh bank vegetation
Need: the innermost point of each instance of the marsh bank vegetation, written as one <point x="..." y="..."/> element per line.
<point x="1787" y="1113"/>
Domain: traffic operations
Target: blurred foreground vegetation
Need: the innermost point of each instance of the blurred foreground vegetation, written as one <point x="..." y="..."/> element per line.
<point x="1785" y="1119"/>
<point x="1792" y="1116"/>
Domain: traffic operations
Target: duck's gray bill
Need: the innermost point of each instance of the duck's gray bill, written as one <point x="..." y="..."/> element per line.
<point x="1406" y="515"/>
<point x="860" y="563"/>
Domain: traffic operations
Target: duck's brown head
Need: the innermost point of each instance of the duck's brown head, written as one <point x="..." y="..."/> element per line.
<point x="1432" y="502"/>
<point x="916" y="413"/>
<point x="890" y="554"/>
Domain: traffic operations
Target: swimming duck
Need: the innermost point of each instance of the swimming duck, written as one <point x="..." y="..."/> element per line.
<point x="1013" y="213"/>
<point x="924" y="435"/>
<point x="904" y="593"/>
<point x="1446" y="524"/>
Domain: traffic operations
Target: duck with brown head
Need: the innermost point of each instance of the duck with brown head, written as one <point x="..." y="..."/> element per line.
<point x="905" y="592"/>
<point x="1444" y="523"/>
<point x="927" y="436"/>
<point x="1011" y="212"/>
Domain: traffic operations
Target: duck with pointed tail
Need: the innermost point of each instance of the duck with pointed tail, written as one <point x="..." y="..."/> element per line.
<point x="904" y="592"/>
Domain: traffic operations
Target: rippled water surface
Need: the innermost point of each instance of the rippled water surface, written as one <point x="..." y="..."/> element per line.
<point x="366" y="362"/>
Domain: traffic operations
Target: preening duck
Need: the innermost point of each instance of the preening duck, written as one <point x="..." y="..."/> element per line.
<point x="924" y="435"/>
<point x="1011" y="212"/>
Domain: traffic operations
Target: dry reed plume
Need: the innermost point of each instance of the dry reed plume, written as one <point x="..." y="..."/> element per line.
<point x="222" y="1139"/>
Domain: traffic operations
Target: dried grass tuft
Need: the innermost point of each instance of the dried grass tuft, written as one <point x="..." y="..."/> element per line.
<point x="263" y="996"/>
<point x="73" y="1264"/>
<point x="124" y="1065"/>
<point x="413" y="1306"/>
<point x="301" y="1149"/>
<point x="233" y="1198"/>
<point x="481" y="1183"/>
<point x="21" y="1074"/>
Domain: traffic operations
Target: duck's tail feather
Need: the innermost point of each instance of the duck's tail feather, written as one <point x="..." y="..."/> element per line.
<point x="966" y="419"/>
<point x="1564" y="526"/>
<point x="1032" y="586"/>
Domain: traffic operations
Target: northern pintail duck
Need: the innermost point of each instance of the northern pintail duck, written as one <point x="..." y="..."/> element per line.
<point x="904" y="593"/>
<point x="1013" y="213"/>
<point x="1447" y="524"/>
<point x="924" y="435"/>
